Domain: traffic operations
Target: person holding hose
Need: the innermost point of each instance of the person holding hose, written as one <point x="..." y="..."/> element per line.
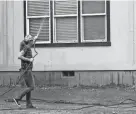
<point x="25" y="55"/>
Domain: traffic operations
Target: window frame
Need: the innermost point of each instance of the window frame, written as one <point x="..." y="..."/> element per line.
<point x="91" y="15"/>
<point x="54" y="25"/>
<point x="79" y="28"/>
<point x="38" y="17"/>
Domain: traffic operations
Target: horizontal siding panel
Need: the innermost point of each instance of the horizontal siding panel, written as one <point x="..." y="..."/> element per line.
<point x="65" y="7"/>
<point x="66" y="29"/>
<point x="34" y="28"/>
<point x="38" y="8"/>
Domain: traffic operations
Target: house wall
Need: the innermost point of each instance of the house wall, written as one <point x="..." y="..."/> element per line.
<point x="121" y="55"/>
<point x="12" y="32"/>
<point x="118" y="56"/>
<point x="85" y="78"/>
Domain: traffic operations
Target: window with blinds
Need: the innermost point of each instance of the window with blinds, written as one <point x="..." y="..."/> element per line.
<point x="93" y="20"/>
<point x="39" y="12"/>
<point x="65" y="21"/>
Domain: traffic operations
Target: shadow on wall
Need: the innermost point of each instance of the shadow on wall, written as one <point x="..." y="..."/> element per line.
<point x="88" y="79"/>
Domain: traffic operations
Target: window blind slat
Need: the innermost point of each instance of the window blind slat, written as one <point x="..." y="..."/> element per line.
<point x="34" y="26"/>
<point x="38" y="8"/>
<point x="65" y="7"/>
<point x="66" y="29"/>
<point x="94" y="28"/>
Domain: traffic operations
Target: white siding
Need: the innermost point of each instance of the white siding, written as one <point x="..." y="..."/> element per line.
<point x="121" y="55"/>
<point x="12" y="28"/>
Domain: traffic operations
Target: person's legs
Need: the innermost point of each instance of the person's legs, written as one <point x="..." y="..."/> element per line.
<point x="21" y="94"/>
<point x="30" y="85"/>
<point x="28" y="82"/>
<point x="27" y="91"/>
<point x="28" y="98"/>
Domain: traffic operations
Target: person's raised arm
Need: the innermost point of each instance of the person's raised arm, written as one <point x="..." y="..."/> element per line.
<point x="33" y="41"/>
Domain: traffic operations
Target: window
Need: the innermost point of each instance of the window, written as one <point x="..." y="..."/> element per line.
<point x="68" y="73"/>
<point x="65" y="21"/>
<point x="93" y="21"/>
<point x="38" y="12"/>
<point x="69" y="22"/>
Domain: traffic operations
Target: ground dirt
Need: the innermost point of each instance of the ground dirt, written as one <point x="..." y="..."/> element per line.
<point x="63" y="100"/>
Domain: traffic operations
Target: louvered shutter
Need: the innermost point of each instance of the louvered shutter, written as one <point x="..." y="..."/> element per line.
<point x="94" y="28"/>
<point x="66" y="27"/>
<point x="38" y="8"/>
<point x="89" y="7"/>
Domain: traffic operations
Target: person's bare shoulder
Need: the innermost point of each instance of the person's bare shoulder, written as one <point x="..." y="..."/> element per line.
<point x="22" y="45"/>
